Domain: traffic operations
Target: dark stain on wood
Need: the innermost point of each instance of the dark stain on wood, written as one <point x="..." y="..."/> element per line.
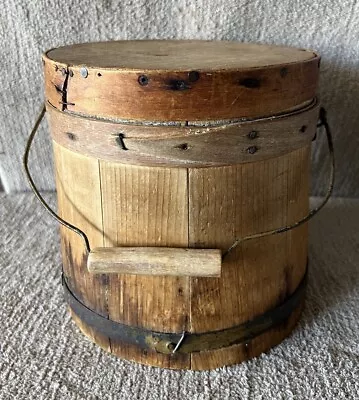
<point x="285" y="291"/>
<point x="177" y="85"/>
<point x="88" y="288"/>
<point x="247" y="347"/>
<point x="104" y="279"/>
<point x="283" y="72"/>
<point x="250" y="83"/>
<point x="182" y="146"/>
<point x="71" y="269"/>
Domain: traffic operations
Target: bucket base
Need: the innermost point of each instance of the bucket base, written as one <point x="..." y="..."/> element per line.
<point x="204" y="360"/>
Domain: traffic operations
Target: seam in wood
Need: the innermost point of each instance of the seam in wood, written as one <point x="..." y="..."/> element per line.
<point x="197" y="124"/>
<point x="189" y="278"/>
<point x="103" y="243"/>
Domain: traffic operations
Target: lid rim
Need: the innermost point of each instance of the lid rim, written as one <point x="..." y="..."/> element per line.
<point x="217" y="45"/>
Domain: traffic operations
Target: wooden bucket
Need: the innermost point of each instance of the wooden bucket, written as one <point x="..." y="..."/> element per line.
<point x="169" y="157"/>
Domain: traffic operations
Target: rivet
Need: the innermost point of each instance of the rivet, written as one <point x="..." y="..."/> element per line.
<point x="193" y="76"/>
<point x="252" y="134"/>
<point x="170" y="346"/>
<point x="63" y="71"/>
<point x="252" y="149"/>
<point x="56" y="67"/>
<point x="303" y="128"/>
<point x="155" y="340"/>
<point x="99" y="74"/>
<point x="71" y="73"/>
<point x="83" y="72"/>
<point x="143" y="80"/>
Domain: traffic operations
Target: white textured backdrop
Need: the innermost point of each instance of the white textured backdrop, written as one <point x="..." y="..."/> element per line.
<point x="30" y="27"/>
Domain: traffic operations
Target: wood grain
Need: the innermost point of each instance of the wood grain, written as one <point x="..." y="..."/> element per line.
<point x="186" y="146"/>
<point x="147" y="207"/>
<point x="244" y="199"/>
<point x="201" y="103"/>
<point x="167" y="261"/>
<point x="79" y="202"/>
<point x="247" y="86"/>
<point x="242" y="352"/>
<point x="258" y="275"/>
<point x="176" y="54"/>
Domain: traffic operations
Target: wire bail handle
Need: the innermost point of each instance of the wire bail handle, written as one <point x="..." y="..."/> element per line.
<point x="322" y="122"/>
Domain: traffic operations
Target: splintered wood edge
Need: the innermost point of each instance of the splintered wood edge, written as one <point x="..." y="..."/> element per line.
<point x="155" y="261"/>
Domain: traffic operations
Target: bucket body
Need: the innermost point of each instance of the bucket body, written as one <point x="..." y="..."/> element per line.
<point x="193" y="154"/>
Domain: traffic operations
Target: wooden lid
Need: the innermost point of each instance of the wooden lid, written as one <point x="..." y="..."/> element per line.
<point x="179" y="80"/>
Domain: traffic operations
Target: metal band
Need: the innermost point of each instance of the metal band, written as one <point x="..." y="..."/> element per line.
<point x="183" y="342"/>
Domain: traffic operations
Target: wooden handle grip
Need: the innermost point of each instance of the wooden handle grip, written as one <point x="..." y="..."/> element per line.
<point x="155" y="261"/>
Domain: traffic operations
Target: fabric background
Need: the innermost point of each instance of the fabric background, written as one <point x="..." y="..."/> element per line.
<point x="44" y="356"/>
<point x="29" y="27"/>
<point x="42" y="353"/>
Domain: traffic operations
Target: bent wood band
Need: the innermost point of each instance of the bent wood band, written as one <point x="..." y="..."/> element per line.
<point x="182" y="174"/>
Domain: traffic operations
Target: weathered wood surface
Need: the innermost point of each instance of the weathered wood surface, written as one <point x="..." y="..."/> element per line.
<point x="145" y="206"/>
<point x="192" y="80"/>
<point x="259" y="274"/>
<point x="246" y="141"/>
<point x="79" y="202"/>
<point x="170" y="202"/>
<point x="182" y="55"/>
<point x="207" y="208"/>
<point x="155" y="261"/>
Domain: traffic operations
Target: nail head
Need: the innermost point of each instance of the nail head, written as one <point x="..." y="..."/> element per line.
<point x="252" y="134"/>
<point x="71" y="136"/>
<point x="252" y="149"/>
<point x="170" y="346"/>
<point x="83" y="72"/>
<point x="183" y="146"/>
<point x="143" y="80"/>
<point x="193" y="76"/>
